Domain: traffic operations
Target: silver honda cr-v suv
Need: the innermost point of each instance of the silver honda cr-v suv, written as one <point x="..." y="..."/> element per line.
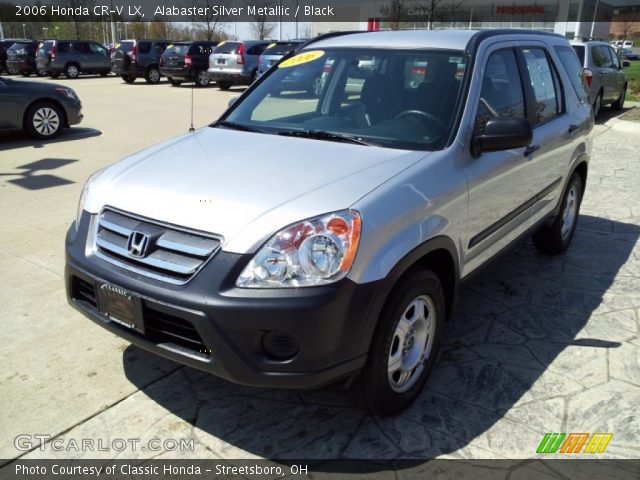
<point x="305" y="238"/>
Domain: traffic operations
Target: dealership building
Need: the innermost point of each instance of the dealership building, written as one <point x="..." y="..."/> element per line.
<point x="572" y="18"/>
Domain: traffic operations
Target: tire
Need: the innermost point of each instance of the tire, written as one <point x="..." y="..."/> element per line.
<point x="104" y="74"/>
<point x="26" y="73"/>
<point x="224" y="85"/>
<point x="72" y="71"/>
<point x="54" y="74"/>
<point x="44" y="120"/>
<point x="619" y="103"/>
<point x="12" y="71"/>
<point x="152" y="75"/>
<point x="597" y="105"/>
<point x="174" y="83"/>
<point x="128" y="78"/>
<point x="554" y="239"/>
<point x="40" y="73"/>
<point x="202" y="78"/>
<point x="398" y="363"/>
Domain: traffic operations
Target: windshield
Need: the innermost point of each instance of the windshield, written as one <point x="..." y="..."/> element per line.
<point x="391" y="98"/>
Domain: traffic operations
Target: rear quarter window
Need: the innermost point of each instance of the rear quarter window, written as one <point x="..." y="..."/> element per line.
<point x="63" y="47"/>
<point x="579" y="49"/>
<point x="256" y="50"/>
<point x="573" y="67"/>
<point x="280" y="49"/>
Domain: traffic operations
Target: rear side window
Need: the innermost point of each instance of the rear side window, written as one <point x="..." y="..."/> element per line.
<point x="160" y="47"/>
<point x="572" y="66"/>
<point x="227" y="47"/>
<point x="545" y="84"/>
<point x="63" y="47"/>
<point x="579" y="49"/>
<point x="81" y="47"/>
<point x="615" y="61"/>
<point x="600" y="57"/>
<point x="501" y="94"/>
<point x="144" y="47"/>
<point x="256" y="50"/>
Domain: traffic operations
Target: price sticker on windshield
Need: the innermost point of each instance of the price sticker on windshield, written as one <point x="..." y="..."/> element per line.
<point x="302" y="58"/>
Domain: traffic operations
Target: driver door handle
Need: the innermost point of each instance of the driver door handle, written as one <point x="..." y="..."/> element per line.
<point x="530" y="149"/>
<point x="573" y="128"/>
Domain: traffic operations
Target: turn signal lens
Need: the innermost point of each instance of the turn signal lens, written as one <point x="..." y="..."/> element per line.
<point x="317" y="251"/>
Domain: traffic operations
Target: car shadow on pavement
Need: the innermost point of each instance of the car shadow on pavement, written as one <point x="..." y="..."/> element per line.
<point x="607" y="113"/>
<point x="19" y="139"/>
<point x="27" y="176"/>
<point x="526" y="333"/>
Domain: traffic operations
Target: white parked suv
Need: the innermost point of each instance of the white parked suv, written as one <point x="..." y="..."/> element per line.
<point x="306" y="237"/>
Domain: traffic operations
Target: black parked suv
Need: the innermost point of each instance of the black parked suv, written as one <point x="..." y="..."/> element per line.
<point x="4" y="46"/>
<point x="138" y="58"/>
<point x="72" y="57"/>
<point x="187" y="62"/>
<point x="21" y="57"/>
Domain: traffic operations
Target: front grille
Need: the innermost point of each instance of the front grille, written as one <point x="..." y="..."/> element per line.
<point x="84" y="292"/>
<point x="161" y="327"/>
<point x="173" y="254"/>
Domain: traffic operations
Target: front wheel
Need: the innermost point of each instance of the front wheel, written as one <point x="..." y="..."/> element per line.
<point x="405" y="345"/>
<point x="128" y="78"/>
<point x="555" y="238"/>
<point x="174" y="83"/>
<point x="54" y="74"/>
<point x="224" y="85"/>
<point x="44" y="120"/>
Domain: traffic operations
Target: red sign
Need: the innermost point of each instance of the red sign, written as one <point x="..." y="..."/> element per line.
<point x="520" y="9"/>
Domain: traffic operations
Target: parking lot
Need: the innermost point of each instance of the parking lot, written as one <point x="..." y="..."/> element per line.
<point x="536" y="344"/>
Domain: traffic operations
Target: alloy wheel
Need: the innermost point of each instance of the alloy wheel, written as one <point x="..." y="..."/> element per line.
<point x="412" y="343"/>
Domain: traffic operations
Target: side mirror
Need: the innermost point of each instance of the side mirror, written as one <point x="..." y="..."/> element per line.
<point x="232" y="100"/>
<point x="503" y="134"/>
<point x="626" y="64"/>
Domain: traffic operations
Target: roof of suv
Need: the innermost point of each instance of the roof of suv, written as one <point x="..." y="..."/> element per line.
<point x="445" y="39"/>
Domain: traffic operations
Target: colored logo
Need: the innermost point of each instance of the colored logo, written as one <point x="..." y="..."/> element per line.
<point x="574" y="442"/>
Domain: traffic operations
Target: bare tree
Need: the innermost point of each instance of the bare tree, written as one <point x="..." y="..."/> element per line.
<point x="209" y="25"/>
<point x="260" y="26"/>
<point x="628" y="23"/>
<point x="160" y="28"/>
<point x="76" y="19"/>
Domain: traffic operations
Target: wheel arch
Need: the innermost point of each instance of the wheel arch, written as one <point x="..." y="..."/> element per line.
<point x="438" y="254"/>
<point x="65" y="121"/>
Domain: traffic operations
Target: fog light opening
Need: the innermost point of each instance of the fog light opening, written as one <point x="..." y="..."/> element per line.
<point x="280" y="346"/>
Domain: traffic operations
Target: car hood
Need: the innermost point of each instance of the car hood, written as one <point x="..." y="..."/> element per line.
<point x="244" y="186"/>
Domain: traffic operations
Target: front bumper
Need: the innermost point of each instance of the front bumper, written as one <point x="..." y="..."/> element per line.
<point x="228" y="324"/>
<point x="73" y="110"/>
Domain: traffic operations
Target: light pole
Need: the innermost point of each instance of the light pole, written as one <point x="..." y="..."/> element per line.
<point x="593" y="22"/>
<point x="24" y="32"/>
<point x="44" y="32"/>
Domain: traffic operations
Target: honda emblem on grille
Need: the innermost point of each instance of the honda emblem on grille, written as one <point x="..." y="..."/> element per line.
<point x="138" y="243"/>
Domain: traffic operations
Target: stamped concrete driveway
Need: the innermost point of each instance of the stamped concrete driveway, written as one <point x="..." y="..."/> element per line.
<point x="536" y="344"/>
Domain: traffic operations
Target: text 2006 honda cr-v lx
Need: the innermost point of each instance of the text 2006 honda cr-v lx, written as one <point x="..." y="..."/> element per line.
<point x="304" y="238"/>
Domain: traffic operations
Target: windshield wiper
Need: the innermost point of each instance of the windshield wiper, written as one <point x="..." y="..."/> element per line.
<point x="322" y="135"/>
<point x="237" y="126"/>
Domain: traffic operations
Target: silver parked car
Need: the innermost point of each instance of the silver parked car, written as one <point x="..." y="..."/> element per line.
<point x="603" y="73"/>
<point x="235" y="63"/>
<point x="303" y="239"/>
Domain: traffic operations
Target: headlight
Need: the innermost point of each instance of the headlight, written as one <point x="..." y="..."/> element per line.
<point x="85" y="194"/>
<point x="67" y="92"/>
<point x="312" y="252"/>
